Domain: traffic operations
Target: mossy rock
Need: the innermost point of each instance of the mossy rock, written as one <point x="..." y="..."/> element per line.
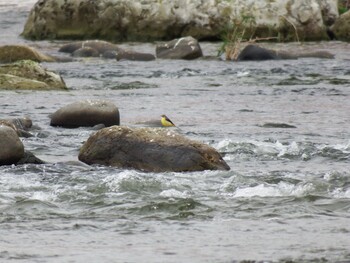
<point x="341" y="27"/>
<point x="27" y="74"/>
<point x="12" y="53"/>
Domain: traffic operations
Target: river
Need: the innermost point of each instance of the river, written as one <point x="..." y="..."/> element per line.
<point x="286" y="197"/>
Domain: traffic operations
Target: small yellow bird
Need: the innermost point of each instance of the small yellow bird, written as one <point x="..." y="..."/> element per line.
<point x="166" y="122"/>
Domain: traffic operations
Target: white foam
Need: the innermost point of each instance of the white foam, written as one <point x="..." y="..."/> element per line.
<point x="265" y="190"/>
<point x="261" y="147"/>
<point x="243" y="73"/>
<point x="343" y="147"/>
<point x="173" y="193"/>
<point x="341" y="193"/>
<point x="114" y="181"/>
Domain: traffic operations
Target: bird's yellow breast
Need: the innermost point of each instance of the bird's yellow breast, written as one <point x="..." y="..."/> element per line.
<point x="166" y="123"/>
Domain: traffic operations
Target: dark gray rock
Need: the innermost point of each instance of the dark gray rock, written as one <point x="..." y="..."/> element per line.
<point x="182" y="48"/>
<point x="257" y="53"/>
<point x="90" y="48"/>
<point x="86" y="52"/>
<point x="254" y="52"/>
<point x="278" y="125"/>
<point x="86" y="113"/>
<point x="135" y="56"/>
<point x="29" y="157"/>
<point x="149" y="149"/>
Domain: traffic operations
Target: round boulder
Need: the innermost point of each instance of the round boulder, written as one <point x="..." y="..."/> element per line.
<point x="86" y="113"/>
<point x="182" y="48"/>
<point x="12" y="149"/>
<point x="149" y="149"/>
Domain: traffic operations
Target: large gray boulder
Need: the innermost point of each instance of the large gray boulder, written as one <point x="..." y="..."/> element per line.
<point x="126" y="20"/>
<point x="149" y="149"/>
<point x="182" y="48"/>
<point x="86" y="113"/>
<point x="12" y="149"/>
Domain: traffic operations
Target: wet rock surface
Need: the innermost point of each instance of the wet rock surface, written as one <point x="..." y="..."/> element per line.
<point x="30" y="75"/>
<point x="12" y="149"/>
<point x="182" y="48"/>
<point x="149" y="149"/>
<point x="13" y="53"/>
<point x="86" y="113"/>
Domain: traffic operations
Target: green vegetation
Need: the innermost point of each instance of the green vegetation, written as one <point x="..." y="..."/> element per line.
<point x="343" y="6"/>
<point x="240" y="30"/>
<point x="244" y="29"/>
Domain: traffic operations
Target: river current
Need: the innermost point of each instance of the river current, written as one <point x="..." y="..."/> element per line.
<point x="286" y="197"/>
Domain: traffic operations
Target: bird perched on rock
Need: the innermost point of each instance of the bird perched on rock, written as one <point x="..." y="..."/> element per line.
<point x="166" y="122"/>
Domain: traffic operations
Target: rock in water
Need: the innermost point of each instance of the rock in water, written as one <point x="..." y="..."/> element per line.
<point x="182" y="48"/>
<point x="29" y="75"/>
<point x="257" y="53"/>
<point x="86" y="113"/>
<point x="12" y="149"/>
<point x="13" y="53"/>
<point x="134" y="56"/>
<point x="149" y="149"/>
<point x="253" y="52"/>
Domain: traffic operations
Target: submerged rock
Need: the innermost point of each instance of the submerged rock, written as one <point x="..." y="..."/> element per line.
<point x="86" y="52"/>
<point x="149" y="149"/>
<point x="255" y="52"/>
<point x="99" y="48"/>
<point x="146" y="20"/>
<point x="86" y="113"/>
<point x="29" y="157"/>
<point x="13" y="53"/>
<point x="12" y="149"/>
<point x="27" y="74"/>
<point x="134" y="56"/>
<point x="278" y="125"/>
<point x="92" y="48"/>
<point x="182" y="48"/>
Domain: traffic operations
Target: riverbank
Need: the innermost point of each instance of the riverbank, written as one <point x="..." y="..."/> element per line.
<point x="282" y="126"/>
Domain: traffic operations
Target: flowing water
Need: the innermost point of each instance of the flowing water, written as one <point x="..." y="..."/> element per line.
<point x="286" y="197"/>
